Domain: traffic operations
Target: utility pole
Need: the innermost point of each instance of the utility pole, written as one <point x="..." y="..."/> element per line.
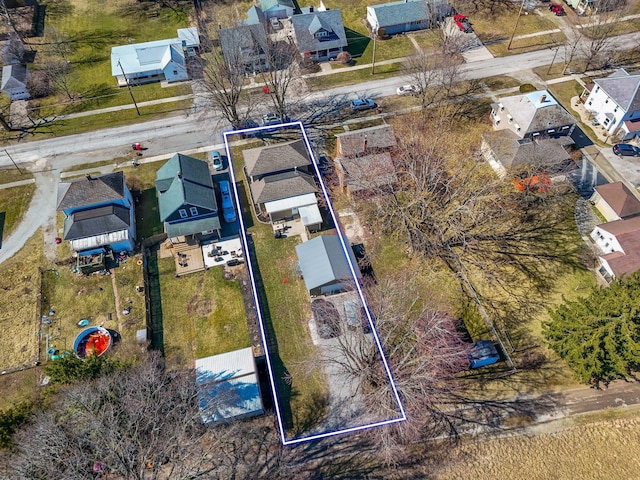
<point x="516" y="25"/>
<point x="13" y="161"/>
<point x="373" y="61"/>
<point x="126" y="80"/>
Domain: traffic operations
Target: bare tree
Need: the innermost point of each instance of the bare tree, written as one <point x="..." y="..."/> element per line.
<point x="59" y="75"/>
<point x="283" y="70"/>
<point x="58" y="44"/>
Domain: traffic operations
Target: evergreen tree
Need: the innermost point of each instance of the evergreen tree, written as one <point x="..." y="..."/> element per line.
<point x="599" y="335"/>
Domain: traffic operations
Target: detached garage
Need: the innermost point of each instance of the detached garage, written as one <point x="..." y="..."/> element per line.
<point x="324" y="267"/>
<point x="228" y="386"/>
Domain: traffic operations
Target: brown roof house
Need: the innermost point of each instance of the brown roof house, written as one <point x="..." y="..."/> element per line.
<point x="615" y="201"/>
<point x="619" y="242"/>
<point x="281" y="183"/>
<point x="363" y="159"/>
<point x="532" y="128"/>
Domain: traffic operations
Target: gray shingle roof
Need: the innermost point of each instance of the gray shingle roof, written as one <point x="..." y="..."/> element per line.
<point x="96" y="221"/>
<point x="367" y="172"/>
<point x="14" y="76"/>
<point x="283" y="185"/>
<point x="275" y="158"/>
<point x="537" y="111"/>
<point x="306" y="26"/>
<point x="396" y="13"/>
<point x="623" y="88"/>
<point x="352" y="143"/>
<point x="192" y="226"/>
<point x="85" y="192"/>
<point x="236" y="42"/>
<point x="322" y="261"/>
<point x="508" y="149"/>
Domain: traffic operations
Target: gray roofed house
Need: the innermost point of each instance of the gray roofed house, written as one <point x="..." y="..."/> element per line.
<point x="90" y="190"/>
<point x="404" y="16"/>
<point x="324" y="266"/>
<point x="96" y="221"/>
<point x="355" y="142"/>
<point x="283" y="185"/>
<point x="532" y="114"/>
<point x="186" y="197"/>
<point x="614" y="102"/>
<point x="504" y="151"/>
<point x="619" y="242"/>
<point x="319" y="34"/>
<point x="14" y="81"/>
<point x="98" y="213"/>
<point x="275" y="159"/>
<point x="245" y="44"/>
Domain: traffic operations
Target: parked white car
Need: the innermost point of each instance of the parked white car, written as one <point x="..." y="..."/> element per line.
<point x="408" y="90"/>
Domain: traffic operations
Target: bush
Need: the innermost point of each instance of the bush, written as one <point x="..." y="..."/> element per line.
<point x="344" y="58"/>
<point x="527" y="87"/>
<point x="10" y="420"/>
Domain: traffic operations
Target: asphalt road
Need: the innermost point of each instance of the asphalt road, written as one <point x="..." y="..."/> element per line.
<point x="203" y="127"/>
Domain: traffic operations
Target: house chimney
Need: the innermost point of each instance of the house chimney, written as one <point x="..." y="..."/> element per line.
<point x="311" y="9"/>
<point x="179" y="175"/>
<point x="89" y="177"/>
<point x="364" y="144"/>
<point x="543" y="98"/>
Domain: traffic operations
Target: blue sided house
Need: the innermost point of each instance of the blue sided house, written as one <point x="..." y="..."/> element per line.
<point x="99" y="218"/>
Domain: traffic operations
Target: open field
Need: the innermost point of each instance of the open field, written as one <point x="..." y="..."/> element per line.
<point x="12" y="174"/>
<point x="14" y="202"/>
<point x="591" y="448"/>
<point x="19" y="322"/>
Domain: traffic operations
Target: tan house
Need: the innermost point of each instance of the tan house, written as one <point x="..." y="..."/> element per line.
<point x="615" y="201"/>
<point x="619" y="242"/>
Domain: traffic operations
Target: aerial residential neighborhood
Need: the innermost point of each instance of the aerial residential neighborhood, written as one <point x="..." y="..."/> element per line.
<point x="277" y="239"/>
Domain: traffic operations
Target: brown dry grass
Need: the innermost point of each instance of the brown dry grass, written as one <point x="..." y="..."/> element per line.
<point x="595" y="449"/>
<point x="19" y="287"/>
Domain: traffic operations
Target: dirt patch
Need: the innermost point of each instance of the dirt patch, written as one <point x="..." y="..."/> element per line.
<point x="200" y="308"/>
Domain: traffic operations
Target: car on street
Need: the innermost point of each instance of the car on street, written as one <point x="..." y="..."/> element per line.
<point x="216" y="160"/>
<point x="463" y="23"/>
<point x="626" y="150"/>
<point x="273" y="118"/>
<point x="408" y="90"/>
<point x="363" y="104"/>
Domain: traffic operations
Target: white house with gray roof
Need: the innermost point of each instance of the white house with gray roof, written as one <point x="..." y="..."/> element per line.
<point x="615" y="103"/>
<point x="406" y="15"/>
<point x="160" y="60"/>
<point x="319" y="33"/>
<point x="14" y="81"/>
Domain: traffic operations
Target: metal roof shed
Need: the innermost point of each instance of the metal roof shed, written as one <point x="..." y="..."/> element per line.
<point x="324" y="265"/>
<point x="228" y="386"/>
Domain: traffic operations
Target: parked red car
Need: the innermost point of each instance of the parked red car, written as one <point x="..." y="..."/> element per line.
<point x="463" y="23"/>
<point x="557" y="10"/>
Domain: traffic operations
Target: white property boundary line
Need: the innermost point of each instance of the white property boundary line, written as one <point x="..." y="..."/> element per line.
<point x="352" y="268"/>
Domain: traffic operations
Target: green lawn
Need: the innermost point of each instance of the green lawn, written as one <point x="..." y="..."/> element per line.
<point x="93" y="27"/>
<point x="286" y="312"/>
<point x="14" y="202"/>
<point x="203" y="314"/>
<point x="12" y="174"/>
<point x="524" y="45"/>
<point x="354" y="76"/>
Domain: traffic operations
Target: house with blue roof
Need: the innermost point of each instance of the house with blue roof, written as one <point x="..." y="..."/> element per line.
<point x="277" y="8"/>
<point x="186" y="199"/>
<point x="157" y="61"/>
<point x="99" y="216"/>
<point x="405" y="16"/>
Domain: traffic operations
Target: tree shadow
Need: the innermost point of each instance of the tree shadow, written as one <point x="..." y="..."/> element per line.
<point x="3" y="218"/>
<point x="282" y="377"/>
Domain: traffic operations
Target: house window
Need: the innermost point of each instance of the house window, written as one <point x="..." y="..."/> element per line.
<point x="321" y="33"/>
<point x="615" y="110"/>
<point x="183" y="213"/>
<point x="175" y="72"/>
<point x="597" y="89"/>
<point x="510" y="118"/>
<point x="590" y="102"/>
<point x="606" y="121"/>
<point x="606" y="101"/>
<point x="194" y="211"/>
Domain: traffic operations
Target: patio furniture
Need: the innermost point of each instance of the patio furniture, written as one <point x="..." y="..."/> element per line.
<point x="83" y="323"/>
